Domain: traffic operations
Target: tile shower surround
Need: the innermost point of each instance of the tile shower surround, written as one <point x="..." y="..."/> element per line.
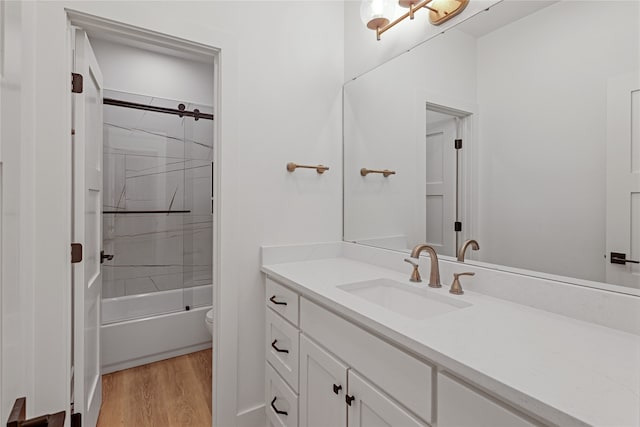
<point x="155" y="161"/>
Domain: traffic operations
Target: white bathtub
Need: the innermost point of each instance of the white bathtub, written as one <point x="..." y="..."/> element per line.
<point x="141" y="329"/>
<point x="144" y="305"/>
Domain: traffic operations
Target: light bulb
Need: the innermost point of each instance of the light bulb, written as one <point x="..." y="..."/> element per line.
<point x="376" y="13"/>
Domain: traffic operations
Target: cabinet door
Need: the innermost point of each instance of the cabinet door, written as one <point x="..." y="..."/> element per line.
<point x="371" y="408"/>
<point x="323" y="383"/>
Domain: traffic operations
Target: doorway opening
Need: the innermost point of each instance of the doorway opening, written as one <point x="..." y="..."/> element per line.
<point x="448" y="137"/>
<point x="145" y="211"/>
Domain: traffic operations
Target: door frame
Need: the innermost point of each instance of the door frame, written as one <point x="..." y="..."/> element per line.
<point x="467" y="112"/>
<point x="222" y="48"/>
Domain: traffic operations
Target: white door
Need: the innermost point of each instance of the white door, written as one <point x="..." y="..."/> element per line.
<point x="87" y="230"/>
<point x="441" y="182"/>
<point x="371" y="408"/>
<point x="323" y="384"/>
<point x="623" y="180"/>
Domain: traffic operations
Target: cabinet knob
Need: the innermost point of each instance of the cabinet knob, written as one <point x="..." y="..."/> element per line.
<point x="337" y="388"/>
<point x="349" y="399"/>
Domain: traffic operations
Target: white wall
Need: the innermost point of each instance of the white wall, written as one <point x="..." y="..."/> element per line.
<point x="542" y="92"/>
<point x="27" y="349"/>
<point x="16" y="220"/>
<point x="282" y="71"/>
<point x="146" y="72"/>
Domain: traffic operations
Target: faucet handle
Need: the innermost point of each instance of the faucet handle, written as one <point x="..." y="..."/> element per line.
<point x="415" y="274"/>
<point x="456" y="287"/>
<point x="415" y="264"/>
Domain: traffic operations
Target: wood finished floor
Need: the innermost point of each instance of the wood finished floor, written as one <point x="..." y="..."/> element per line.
<point x="170" y="393"/>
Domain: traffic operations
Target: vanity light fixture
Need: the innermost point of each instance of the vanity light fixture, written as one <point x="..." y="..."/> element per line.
<point x="375" y="13"/>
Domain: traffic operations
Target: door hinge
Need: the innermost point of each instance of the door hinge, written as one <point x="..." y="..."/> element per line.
<point x="457" y="226"/>
<point x="76" y="83"/>
<point x="457" y="144"/>
<point x="76" y="252"/>
<point x="76" y="419"/>
<point x="17" y="417"/>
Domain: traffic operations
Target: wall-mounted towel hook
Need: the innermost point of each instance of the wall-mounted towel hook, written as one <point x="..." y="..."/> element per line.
<point x="319" y="168"/>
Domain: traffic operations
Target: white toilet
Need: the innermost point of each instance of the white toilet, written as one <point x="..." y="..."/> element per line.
<point x="209" y="321"/>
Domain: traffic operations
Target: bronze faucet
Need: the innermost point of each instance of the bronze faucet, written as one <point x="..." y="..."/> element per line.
<point x="465" y="245"/>
<point x="434" y="276"/>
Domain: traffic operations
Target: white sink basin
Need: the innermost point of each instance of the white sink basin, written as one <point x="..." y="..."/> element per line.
<point x="404" y="300"/>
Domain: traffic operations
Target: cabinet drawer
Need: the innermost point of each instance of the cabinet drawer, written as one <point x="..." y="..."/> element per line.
<point x="282" y="348"/>
<point x="401" y="376"/>
<point x="281" y="401"/>
<point x="282" y="300"/>
<point x="460" y="406"/>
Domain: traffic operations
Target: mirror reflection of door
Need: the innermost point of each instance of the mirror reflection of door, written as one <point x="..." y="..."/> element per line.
<point x="623" y="183"/>
<point x="440" y="185"/>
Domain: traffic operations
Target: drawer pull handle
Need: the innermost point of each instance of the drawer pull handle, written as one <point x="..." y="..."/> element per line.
<point x="273" y="300"/>
<point x="273" y="406"/>
<point x="279" y="350"/>
<point x="337" y="388"/>
<point x="349" y="399"/>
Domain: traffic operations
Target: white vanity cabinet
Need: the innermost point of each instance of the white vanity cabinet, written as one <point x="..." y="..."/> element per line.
<point x="461" y="406"/>
<point x="332" y="394"/>
<point x="323" y="370"/>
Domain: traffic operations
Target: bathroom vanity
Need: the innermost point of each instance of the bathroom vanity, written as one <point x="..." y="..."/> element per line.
<point x="350" y="341"/>
<point x="514" y="127"/>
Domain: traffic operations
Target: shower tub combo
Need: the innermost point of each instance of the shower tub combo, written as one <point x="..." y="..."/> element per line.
<point x="158" y="225"/>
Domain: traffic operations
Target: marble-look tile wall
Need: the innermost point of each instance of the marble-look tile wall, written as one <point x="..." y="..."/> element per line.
<point x="156" y="161"/>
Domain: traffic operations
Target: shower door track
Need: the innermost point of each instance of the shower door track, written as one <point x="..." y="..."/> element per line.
<point x="180" y="111"/>
<point x="143" y="212"/>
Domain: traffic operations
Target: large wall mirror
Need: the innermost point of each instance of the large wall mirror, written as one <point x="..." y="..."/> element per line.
<point x="543" y="97"/>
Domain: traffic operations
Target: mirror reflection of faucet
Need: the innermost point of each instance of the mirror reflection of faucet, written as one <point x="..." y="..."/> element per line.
<point x="474" y="245"/>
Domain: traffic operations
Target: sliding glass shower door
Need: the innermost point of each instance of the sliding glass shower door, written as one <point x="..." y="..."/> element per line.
<point x="198" y="222"/>
<point x="157" y="208"/>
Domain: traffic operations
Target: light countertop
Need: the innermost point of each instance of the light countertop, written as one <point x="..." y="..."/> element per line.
<point x="567" y="371"/>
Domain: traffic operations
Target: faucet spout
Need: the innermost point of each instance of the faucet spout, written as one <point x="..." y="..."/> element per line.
<point x="434" y="276"/>
<point x="474" y="245"/>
